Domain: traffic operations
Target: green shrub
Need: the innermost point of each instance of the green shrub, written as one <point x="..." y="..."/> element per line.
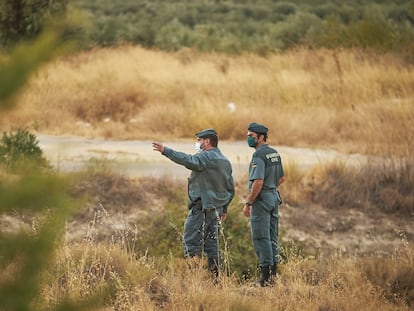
<point x="173" y="36"/>
<point x="293" y="30"/>
<point x="372" y="33"/>
<point x="20" y="146"/>
<point x="284" y="8"/>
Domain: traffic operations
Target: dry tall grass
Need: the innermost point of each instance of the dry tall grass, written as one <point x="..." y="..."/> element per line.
<point x="121" y="281"/>
<point x="110" y="266"/>
<point x="107" y="265"/>
<point x="348" y="99"/>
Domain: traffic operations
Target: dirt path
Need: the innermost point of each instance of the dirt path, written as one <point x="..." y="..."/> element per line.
<point x="136" y="158"/>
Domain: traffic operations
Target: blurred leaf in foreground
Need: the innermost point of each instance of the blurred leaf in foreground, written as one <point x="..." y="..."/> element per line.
<point x="17" y="67"/>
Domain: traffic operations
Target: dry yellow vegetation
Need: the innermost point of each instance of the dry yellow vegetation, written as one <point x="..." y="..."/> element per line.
<point x="121" y="281"/>
<point x="349" y="100"/>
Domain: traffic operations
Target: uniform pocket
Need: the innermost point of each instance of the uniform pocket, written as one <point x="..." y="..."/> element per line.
<point x="258" y="229"/>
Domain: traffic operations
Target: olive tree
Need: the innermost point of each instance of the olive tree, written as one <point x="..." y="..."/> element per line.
<point x="24" y="19"/>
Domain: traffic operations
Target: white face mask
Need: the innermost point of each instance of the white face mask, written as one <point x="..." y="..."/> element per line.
<point x="197" y="146"/>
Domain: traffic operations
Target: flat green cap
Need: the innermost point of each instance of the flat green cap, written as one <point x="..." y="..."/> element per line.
<point x="257" y="128"/>
<point x="206" y="133"/>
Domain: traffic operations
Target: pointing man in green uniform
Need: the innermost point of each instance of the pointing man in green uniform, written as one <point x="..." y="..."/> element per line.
<point x="210" y="191"/>
<point x="265" y="175"/>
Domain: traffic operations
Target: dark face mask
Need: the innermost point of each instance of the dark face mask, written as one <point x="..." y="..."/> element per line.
<point x="251" y="141"/>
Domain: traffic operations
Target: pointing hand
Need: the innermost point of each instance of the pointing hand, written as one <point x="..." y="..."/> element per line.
<point x="158" y="146"/>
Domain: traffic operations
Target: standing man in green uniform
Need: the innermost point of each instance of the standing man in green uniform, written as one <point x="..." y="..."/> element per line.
<point x="262" y="205"/>
<point x="210" y="191"/>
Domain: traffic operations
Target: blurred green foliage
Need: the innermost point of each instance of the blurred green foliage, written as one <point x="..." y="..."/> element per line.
<point x="25" y="19"/>
<point x="25" y="57"/>
<point x="19" y="146"/>
<point x="37" y="201"/>
<point x="17" y="67"/>
<point x="25" y="253"/>
<point x="258" y="26"/>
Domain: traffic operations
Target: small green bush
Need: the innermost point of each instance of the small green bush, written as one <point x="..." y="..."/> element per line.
<point x="20" y="146"/>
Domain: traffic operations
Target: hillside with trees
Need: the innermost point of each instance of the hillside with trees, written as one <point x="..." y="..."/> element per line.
<point x="259" y="26"/>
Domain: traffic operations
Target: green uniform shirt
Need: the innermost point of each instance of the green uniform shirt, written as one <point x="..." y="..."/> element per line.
<point x="211" y="178"/>
<point x="266" y="164"/>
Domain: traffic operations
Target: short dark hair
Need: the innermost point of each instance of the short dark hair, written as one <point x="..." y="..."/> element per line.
<point x="213" y="140"/>
<point x="264" y="136"/>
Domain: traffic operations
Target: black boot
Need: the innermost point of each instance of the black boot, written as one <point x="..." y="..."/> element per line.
<point x="213" y="265"/>
<point x="273" y="272"/>
<point x="264" y="279"/>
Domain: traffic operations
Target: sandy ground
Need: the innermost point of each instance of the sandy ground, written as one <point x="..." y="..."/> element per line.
<point x="136" y="158"/>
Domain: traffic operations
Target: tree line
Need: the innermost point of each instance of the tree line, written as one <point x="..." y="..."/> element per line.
<point x="229" y="26"/>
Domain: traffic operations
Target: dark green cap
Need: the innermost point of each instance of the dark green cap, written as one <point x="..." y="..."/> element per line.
<point x="206" y="133"/>
<point x="257" y="128"/>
